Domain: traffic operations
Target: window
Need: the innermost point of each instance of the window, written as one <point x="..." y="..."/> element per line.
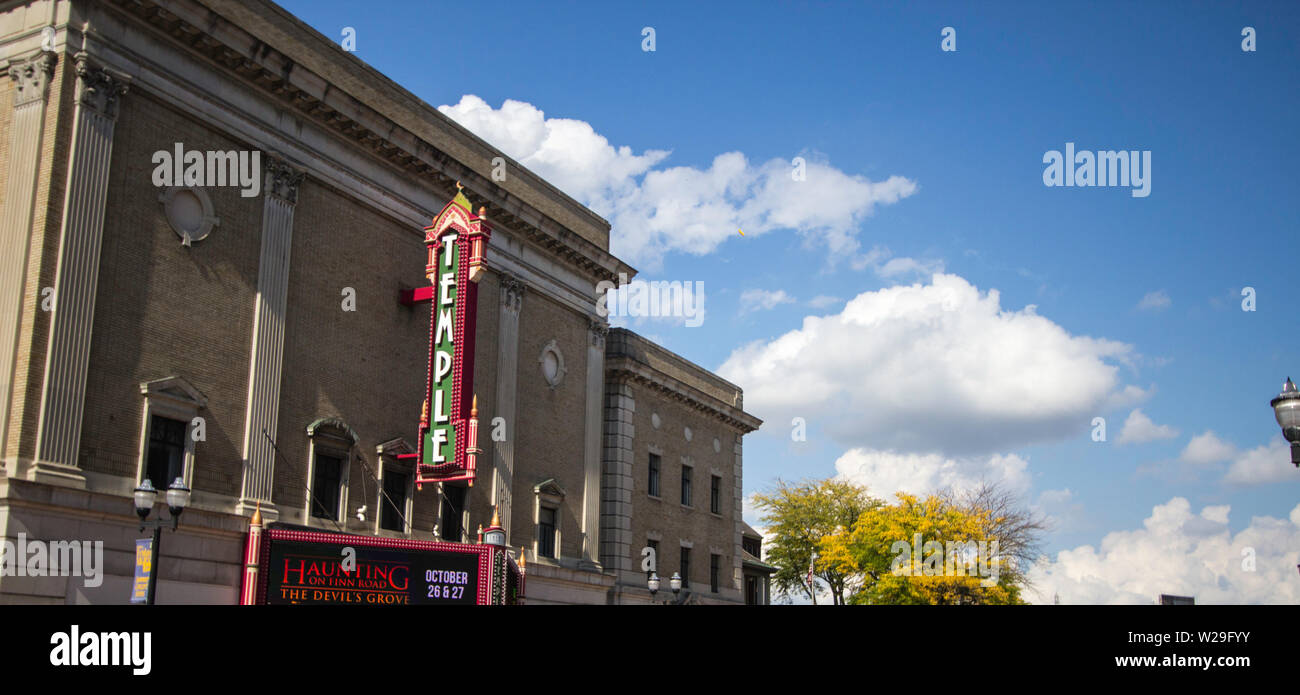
<point x="686" y="485"/>
<point x="751" y="591"/>
<point x="653" y="485"/>
<point x="329" y="457"/>
<point x="453" y="509"/>
<point x="394" y="502"/>
<point x="170" y="415"/>
<point x="715" y="495"/>
<point x="166" y="460"/>
<point x="686" y="567"/>
<point x="325" y="483"/>
<point x="546" y="518"/>
<point x="753" y="546"/>
<point x="715" y="565"/>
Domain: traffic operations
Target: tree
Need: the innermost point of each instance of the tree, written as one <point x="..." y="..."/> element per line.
<point x="949" y="548"/>
<point x="797" y="517"/>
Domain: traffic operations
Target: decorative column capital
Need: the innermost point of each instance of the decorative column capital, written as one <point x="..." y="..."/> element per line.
<point x="512" y="292"/>
<point x="98" y="88"/>
<point x="282" y="179"/>
<point x="599" y="330"/>
<point x="32" y="77"/>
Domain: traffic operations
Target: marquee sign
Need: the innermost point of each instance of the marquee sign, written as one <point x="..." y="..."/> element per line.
<point x="310" y="567"/>
<point x="448" y="442"/>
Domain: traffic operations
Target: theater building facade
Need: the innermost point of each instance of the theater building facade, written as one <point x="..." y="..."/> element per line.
<point x="212" y="249"/>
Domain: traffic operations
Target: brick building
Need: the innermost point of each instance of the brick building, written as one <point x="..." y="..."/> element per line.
<point x="251" y="341"/>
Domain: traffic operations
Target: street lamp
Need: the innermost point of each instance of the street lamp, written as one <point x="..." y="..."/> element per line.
<point x="674" y="582"/>
<point x="1286" y="408"/>
<point x="177" y="498"/>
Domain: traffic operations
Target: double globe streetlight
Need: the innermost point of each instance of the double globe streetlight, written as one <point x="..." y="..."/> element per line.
<point x="1286" y="408"/>
<point x="178" y="498"/>
<point x="674" y="582"/>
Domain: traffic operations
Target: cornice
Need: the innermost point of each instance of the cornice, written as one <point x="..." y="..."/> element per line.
<point x="203" y="31"/>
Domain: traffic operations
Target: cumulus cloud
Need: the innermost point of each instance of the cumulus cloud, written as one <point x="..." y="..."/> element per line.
<point x="885" y="473"/>
<point x="939" y="367"/>
<point x="1139" y="429"/>
<point x="656" y="209"/>
<point x="758" y="300"/>
<point x="1178" y="552"/>
<point x="1206" y="448"/>
<point x="1269" y="463"/>
<point x="1155" y="301"/>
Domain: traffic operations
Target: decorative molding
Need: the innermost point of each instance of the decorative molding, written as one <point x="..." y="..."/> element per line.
<point x="31" y="77"/>
<point x="552" y="349"/>
<point x="282" y="179"/>
<point x="512" y="292"/>
<point x="599" y="329"/>
<point x="189" y="231"/>
<point x="97" y="88"/>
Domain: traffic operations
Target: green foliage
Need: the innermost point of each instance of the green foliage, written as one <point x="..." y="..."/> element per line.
<point x="797" y="517"/>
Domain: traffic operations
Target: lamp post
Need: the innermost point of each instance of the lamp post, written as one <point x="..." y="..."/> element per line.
<point x="178" y="497"/>
<point x="674" y="582"/>
<point x="1286" y="408"/>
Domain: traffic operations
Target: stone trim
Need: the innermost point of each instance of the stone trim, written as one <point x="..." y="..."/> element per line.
<point x="63" y="393"/>
<point x="267" y="351"/>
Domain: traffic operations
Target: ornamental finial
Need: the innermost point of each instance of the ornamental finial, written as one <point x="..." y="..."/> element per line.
<point x="257" y="515"/>
<point x="473" y="408"/>
<point x="496" y="517"/>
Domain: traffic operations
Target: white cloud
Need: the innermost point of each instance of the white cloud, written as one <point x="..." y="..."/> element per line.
<point x="656" y="210"/>
<point x="939" y="367"/>
<point x="886" y="472"/>
<point x="1206" y="448"/>
<point x="1155" y="301"/>
<point x="1178" y="552"/>
<point x="822" y="301"/>
<point x="1139" y="429"/>
<point x="758" y="300"/>
<point x="1269" y="463"/>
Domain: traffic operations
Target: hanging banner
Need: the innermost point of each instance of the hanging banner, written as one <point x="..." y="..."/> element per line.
<point x="143" y="568"/>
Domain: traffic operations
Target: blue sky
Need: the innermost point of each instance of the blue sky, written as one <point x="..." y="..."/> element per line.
<point x="864" y="92"/>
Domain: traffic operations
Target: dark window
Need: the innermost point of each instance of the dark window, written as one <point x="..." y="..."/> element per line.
<point x="166" y="451"/>
<point x="751" y="591"/>
<point x="654" y="546"/>
<point x="686" y="567"/>
<point x="453" y="508"/>
<point x="394" y="502"/>
<point x="327" y="474"/>
<point x="715" y="495"/>
<point x="715" y="566"/>
<point x="753" y="546"/>
<point x="546" y="532"/>
<point x="686" y="485"/>
<point x="653" y="488"/>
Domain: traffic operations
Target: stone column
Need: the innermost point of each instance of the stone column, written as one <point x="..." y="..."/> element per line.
<point x="591" y="492"/>
<point x="280" y="196"/>
<point x="503" y="456"/>
<point x="616" y="483"/>
<point x="63" y="392"/>
<point x="31" y="79"/>
<point x="737" y="485"/>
